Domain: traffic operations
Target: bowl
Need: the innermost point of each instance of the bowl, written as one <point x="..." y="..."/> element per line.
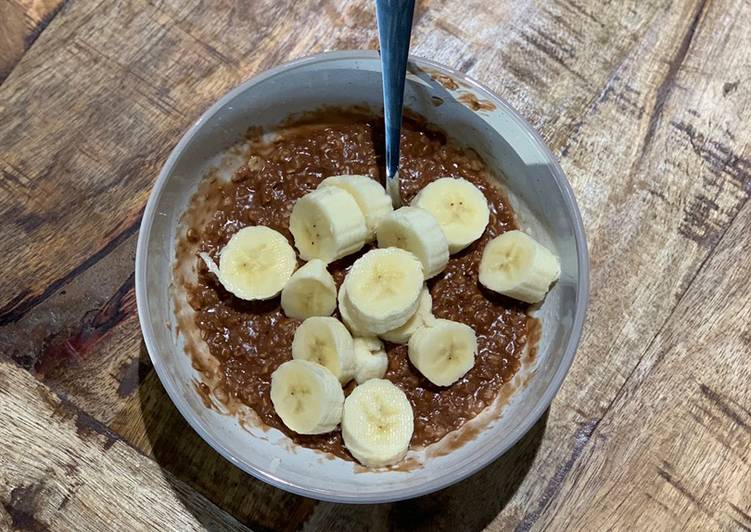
<point x="472" y="116"/>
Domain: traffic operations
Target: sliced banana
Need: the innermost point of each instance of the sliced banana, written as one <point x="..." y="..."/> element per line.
<point x="383" y="287"/>
<point x="443" y="352"/>
<point x="516" y="265"/>
<point x="307" y="397"/>
<point x="326" y="341"/>
<point x="460" y="208"/>
<point x="377" y="423"/>
<point x="355" y="328"/>
<point x="327" y="224"/>
<point x="369" y="195"/>
<point x="371" y="360"/>
<point x="417" y="231"/>
<point x="310" y="291"/>
<point x="422" y="317"/>
<point x="255" y="264"/>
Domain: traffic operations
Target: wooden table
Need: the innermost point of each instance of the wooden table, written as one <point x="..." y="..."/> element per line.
<point x="646" y="102"/>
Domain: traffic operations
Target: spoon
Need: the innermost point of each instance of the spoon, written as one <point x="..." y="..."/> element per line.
<point x="394" y="30"/>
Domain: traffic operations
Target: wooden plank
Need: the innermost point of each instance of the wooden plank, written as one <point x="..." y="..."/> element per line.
<point x="85" y="341"/>
<point x="674" y="452"/>
<point x="63" y="470"/>
<point x="149" y="421"/>
<point x="661" y="139"/>
<point x="644" y="83"/>
<point x="101" y="362"/>
<point x="21" y="22"/>
<point x="648" y="237"/>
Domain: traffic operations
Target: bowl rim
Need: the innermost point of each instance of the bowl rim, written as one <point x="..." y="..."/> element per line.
<point x="582" y="294"/>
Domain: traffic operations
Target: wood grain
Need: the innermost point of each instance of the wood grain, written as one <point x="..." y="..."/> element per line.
<point x="687" y="409"/>
<point x="21" y="22"/>
<point x="646" y="103"/>
<point x="64" y="470"/>
<point x="84" y="340"/>
<point x="149" y="421"/>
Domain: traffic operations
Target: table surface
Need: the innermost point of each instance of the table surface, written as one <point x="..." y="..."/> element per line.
<point x="647" y="103"/>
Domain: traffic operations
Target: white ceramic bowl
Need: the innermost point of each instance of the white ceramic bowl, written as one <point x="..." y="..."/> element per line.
<point x="540" y="195"/>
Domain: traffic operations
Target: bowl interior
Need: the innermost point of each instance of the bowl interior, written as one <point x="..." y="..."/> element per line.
<point x="544" y="207"/>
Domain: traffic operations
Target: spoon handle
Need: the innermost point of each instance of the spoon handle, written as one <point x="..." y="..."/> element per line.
<point x="394" y="29"/>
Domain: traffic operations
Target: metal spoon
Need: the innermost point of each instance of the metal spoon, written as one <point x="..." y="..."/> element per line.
<point x="394" y="30"/>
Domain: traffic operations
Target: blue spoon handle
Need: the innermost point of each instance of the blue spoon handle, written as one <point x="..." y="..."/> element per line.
<point x="394" y="29"/>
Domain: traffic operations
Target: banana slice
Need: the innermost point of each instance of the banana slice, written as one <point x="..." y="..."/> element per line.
<point x="417" y="231"/>
<point x="443" y="352"/>
<point x="377" y="424"/>
<point x="460" y="208"/>
<point x="310" y="291"/>
<point x="355" y="328"/>
<point x="383" y="287"/>
<point x="307" y="397"/>
<point x="371" y="360"/>
<point x="516" y="265"/>
<point x="326" y="341"/>
<point x="255" y="264"/>
<point x="369" y="195"/>
<point x="327" y="224"/>
<point x="421" y="318"/>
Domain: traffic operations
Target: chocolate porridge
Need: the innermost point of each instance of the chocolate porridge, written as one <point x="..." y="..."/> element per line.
<point x="251" y="339"/>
